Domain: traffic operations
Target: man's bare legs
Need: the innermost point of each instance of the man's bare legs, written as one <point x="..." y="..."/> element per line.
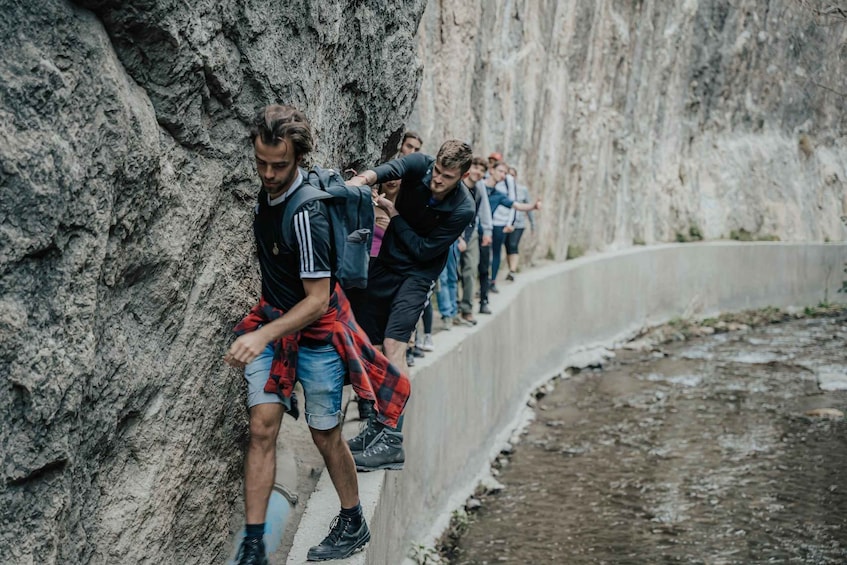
<point x="339" y="464"/>
<point x="260" y="464"/>
<point x="349" y="531"/>
<point x="396" y="353"/>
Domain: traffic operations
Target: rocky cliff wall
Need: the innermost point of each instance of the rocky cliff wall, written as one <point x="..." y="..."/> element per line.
<point x="126" y="192"/>
<point x="647" y="121"/>
<point x="126" y="189"/>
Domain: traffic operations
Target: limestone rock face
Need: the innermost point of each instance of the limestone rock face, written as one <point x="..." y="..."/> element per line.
<point x="126" y="194"/>
<point x="648" y="121"/>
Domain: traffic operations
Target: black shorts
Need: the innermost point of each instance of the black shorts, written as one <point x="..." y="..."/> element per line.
<point x="513" y="239"/>
<point x="391" y="305"/>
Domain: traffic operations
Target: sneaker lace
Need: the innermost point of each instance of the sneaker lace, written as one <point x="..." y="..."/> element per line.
<point x="336" y="529"/>
<point x="364" y="429"/>
<point x="379" y="445"/>
<point x="247" y="552"/>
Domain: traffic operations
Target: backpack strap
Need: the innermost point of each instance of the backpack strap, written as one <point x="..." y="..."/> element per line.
<point x="302" y="196"/>
<point x="511" y="188"/>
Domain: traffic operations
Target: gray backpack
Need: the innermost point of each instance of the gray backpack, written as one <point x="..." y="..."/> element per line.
<point x="351" y="219"/>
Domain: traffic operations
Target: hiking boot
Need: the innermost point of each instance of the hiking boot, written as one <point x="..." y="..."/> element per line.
<point x="410" y="359"/>
<point x="384" y="452"/>
<point x="461" y="321"/>
<point x="366" y="409"/>
<point x="493" y="288"/>
<point x="366" y="436"/>
<point x="427" y="343"/>
<point x="251" y="552"/>
<point x="484" y="309"/>
<point x="510" y="276"/>
<point x="343" y="540"/>
<point x="468" y="317"/>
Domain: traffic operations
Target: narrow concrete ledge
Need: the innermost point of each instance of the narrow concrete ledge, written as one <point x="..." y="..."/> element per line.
<point x="470" y="394"/>
<point x="323" y="507"/>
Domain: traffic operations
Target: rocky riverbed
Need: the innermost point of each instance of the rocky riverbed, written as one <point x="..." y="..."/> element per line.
<point x="721" y="449"/>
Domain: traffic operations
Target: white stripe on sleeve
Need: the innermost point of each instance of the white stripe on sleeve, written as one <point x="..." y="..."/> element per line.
<point x="302" y="229"/>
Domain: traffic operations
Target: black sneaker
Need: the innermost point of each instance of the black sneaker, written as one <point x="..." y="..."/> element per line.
<point x="493" y="288"/>
<point x="343" y="540"/>
<point x="484" y="309"/>
<point x="510" y="276"/>
<point x="418" y="352"/>
<point x="384" y="452"/>
<point x="251" y="552"/>
<point x="366" y="436"/>
<point x="410" y="359"/>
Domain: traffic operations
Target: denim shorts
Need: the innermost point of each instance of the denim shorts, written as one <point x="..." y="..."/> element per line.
<point x="320" y="371"/>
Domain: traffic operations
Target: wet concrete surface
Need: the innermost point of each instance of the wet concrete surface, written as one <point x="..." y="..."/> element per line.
<point x="700" y="451"/>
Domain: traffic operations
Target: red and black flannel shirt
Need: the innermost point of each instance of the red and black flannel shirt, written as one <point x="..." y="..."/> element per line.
<point x="373" y="377"/>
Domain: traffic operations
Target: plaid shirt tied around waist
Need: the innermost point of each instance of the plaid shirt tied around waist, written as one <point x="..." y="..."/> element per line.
<point x="369" y="372"/>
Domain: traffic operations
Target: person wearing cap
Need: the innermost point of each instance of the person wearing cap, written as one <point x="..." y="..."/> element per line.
<point x="493" y="159"/>
<point x="504" y="205"/>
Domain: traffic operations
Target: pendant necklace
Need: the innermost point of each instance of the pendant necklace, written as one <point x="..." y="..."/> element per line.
<point x="275" y="249"/>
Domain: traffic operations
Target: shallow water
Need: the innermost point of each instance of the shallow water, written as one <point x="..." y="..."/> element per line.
<point x="700" y="453"/>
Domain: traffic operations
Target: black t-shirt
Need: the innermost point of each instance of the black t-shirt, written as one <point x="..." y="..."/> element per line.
<point x="308" y="258"/>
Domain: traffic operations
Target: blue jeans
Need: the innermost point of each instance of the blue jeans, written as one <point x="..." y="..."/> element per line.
<point x="320" y="371"/>
<point x="498" y="239"/>
<point x="448" y="285"/>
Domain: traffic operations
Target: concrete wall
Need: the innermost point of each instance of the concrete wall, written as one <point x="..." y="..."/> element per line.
<point x="466" y="395"/>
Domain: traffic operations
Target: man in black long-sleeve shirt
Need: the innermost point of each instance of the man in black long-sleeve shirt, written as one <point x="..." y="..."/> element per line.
<point x="429" y="214"/>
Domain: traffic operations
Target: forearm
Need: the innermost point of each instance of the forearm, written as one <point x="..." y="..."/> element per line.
<point x="304" y="313"/>
<point x="414" y="165"/>
<point x="485" y="220"/>
<point x="367" y="178"/>
<point x="425" y="248"/>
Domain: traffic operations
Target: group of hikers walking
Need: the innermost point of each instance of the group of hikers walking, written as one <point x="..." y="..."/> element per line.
<point x="436" y="220"/>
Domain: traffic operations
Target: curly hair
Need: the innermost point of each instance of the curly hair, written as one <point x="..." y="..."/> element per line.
<point x="455" y="154"/>
<point x="276" y="122"/>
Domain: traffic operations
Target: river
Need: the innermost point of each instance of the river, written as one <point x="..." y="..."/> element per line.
<point x="721" y="449"/>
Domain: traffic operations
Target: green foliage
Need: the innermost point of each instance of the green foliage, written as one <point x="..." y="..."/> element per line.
<point x="550" y="255"/>
<point x="695" y="234"/>
<point x="575" y="251"/>
<point x="741" y="235"/>
<point x="638" y="241"/>
<point x="459" y="522"/>
<point x="424" y="555"/>
<point x="744" y="235"/>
